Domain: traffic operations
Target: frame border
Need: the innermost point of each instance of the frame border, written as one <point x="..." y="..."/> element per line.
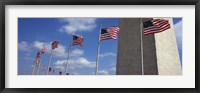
<point x="3" y="3"/>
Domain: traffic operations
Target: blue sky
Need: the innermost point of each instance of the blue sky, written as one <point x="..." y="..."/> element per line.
<point x="34" y="33"/>
<point x="178" y="32"/>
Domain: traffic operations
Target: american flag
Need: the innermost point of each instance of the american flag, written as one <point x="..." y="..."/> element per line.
<point x="37" y="62"/>
<point x="78" y="40"/>
<point x="36" y="58"/>
<point x="43" y="50"/>
<point x="55" y="44"/>
<point x="38" y="55"/>
<point x="155" y="26"/>
<point x="109" y="33"/>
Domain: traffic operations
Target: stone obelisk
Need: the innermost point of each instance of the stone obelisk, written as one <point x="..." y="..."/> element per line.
<point x="155" y="54"/>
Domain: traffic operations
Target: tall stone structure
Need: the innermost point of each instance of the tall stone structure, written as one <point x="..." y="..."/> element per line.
<point x="155" y="54"/>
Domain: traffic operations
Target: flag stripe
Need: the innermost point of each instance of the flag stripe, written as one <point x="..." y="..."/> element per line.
<point x="111" y="33"/>
<point x="55" y="44"/>
<point x="158" y="25"/>
<point x="153" y="31"/>
<point x="78" y="40"/>
<point x="156" y="28"/>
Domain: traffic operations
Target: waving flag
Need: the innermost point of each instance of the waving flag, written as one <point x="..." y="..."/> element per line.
<point x="41" y="53"/>
<point x="55" y="44"/>
<point x="37" y="62"/>
<point x="38" y="55"/>
<point x="109" y="33"/>
<point x="155" y="26"/>
<point x="105" y="34"/>
<point x="43" y="50"/>
<point x="78" y="40"/>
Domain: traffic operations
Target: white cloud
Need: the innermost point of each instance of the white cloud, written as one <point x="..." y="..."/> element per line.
<point x="39" y="45"/>
<point x="103" y="72"/>
<point x="58" y="52"/>
<point x="113" y="69"/>
<point x="107" y="54"/>
<point x="60" y="63"/>
<point x="82" y="62"/>
<point x="76" y="52"/>
<point x="24" y="46"/>
<point x="76" y="63"/>
<point x="109" y="71"/>
<point x="59" y="67"/>
<point x="78" y="24"/>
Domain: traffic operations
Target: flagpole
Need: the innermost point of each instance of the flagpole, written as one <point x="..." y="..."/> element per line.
<point x="66" y="65"/>
<point x="39" y="65"/>
<point x="49" y="62"/>
<point x="42" y="70"/>
<point x="33" y="69"/>
<point x="142" y="56"/>
<point x="98" y="49"/>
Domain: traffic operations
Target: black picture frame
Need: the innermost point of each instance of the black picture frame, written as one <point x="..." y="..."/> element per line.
<point x="3" y="3"/>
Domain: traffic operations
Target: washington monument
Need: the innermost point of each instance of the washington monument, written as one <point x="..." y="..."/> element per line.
<point x="138" y="54"/>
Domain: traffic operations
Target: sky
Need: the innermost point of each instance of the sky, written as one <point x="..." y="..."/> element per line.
<point x="36" y="33"/>
<point x="178" y="31"/>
